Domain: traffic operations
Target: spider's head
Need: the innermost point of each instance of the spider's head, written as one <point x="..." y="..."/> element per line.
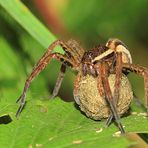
<point x="87" y="65"/>
<point x="88" y="58"/>
<point x="90" y="55"/>
<point x="118" y="46"/>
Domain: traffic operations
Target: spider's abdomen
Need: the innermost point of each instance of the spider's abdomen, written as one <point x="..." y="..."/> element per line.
<point x="95" y="106"/>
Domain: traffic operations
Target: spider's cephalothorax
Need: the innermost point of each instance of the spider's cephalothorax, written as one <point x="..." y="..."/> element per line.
<point x="103" y="68"/>
<point x="88" y="64"/>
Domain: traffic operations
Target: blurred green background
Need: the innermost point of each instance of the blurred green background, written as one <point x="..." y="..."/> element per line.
<point x="89" y="22"/>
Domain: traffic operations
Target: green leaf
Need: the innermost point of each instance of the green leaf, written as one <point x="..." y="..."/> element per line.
<point x="59" y="124"/>
<point x="24" y="17"/>
<point x="29" y="22"/>
<point x="13" y="76"/>
<point x="56" y="123"/>
<point x="51" y="123"/>
<point x="9" y="61"/>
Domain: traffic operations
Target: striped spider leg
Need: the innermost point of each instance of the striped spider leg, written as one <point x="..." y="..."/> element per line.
<point x="72" y="57"/>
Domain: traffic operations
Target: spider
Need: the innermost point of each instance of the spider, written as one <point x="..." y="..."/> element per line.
<point x="99" y="63"/>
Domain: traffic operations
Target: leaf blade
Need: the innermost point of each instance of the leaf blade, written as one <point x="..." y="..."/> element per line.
<point x="57" y="123"/>
<point x="28" y="21"/>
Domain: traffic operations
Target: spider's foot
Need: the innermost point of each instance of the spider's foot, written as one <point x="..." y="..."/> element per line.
<point x="52" y="96"/>
<point x="121" y="128"/>
<point x="20" y="99"/>
<point x="109" y="120"/>
<point x="22" y="104"/>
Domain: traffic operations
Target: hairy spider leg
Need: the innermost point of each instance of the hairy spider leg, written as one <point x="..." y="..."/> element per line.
<point x="42" y="63"/>
<point x="140" y="71"/>
<point x="68" y="51"/>
<point x="77" y="54"/>
<point x="34" y="73"/>
<point x="59" y="81"/>
<point x="76" y="87"/>
<point x="118" y="73"/>
<point x="118" y="68"/>
<point x="102" y="55"/>
<point x="99" y="80"/>
<point x="76" y="49"/>
<point x="108" y="95"/>
<point x="100" y="87"/>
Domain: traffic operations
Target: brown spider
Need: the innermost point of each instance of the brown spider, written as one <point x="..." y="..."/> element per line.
<point x="99" y="63"/>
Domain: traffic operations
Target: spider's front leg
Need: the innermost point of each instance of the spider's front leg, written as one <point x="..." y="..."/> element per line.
<point x="38" y="68"/>
<point x="76" y="88"/>
<point x="118" y="73"/>
<point x="42" y="63"/>
<point x="103" y="73"/>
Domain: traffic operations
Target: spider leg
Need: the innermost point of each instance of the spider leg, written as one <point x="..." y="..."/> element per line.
<point x="118" y="76"/>
<point x="102" y="93"/>
<point x="117" y="83"/>
<point x="140" y="71"/>
<point x="76" y="49"/>
<point x="109" y="120"/>
<point x="76" y="87"/>
<point x="43" y="62"/>
<point x="108" y="95"/>
<point x="100" y="87"/>
<point x="69" y="52"/>
<point x="59" y="81"/>
<point x="99" y="80"/>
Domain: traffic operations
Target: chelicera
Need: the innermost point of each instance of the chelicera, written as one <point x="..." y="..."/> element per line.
<point x="97" y="64"/>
